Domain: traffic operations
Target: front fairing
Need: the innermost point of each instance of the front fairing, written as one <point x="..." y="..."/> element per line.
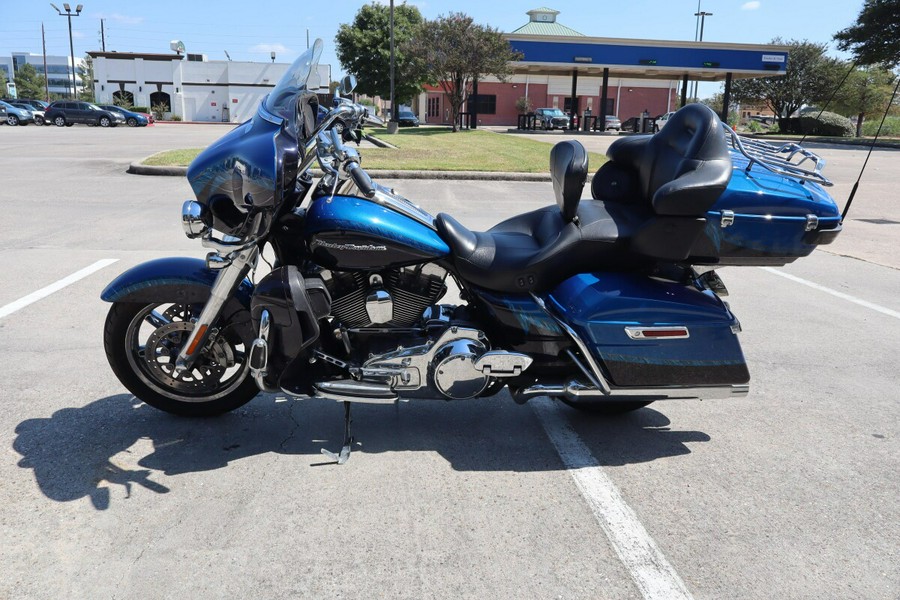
<point x="244" y="172"/>
<point x="254" y="167"/>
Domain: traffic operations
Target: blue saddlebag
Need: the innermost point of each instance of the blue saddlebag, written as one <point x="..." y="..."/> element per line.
<point x="651" y="332"/>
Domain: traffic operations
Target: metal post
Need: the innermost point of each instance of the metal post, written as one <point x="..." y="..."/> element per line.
<point x="572" y="100"/>
<point x="68" y="14"/>
<point x="684" y="87"/>
<point x="604" y="92"/>
<point x="102" y="36"/>
<point x="726" y="97"/>
<point x="473" y="116"/>
<point x="46" y="77"/>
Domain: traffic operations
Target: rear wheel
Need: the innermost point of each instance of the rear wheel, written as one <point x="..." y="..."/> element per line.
<point x="132" y="122"/>
<point x="142" y="342"/>
<point x="38" y="120"/>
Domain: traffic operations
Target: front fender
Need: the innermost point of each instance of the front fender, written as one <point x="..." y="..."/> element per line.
<point x="177" y="279"/>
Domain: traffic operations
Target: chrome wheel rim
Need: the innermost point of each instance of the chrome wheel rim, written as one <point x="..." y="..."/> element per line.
<point x="156" y="335"/>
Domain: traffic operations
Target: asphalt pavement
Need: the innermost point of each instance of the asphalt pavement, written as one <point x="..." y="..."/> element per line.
<point x="791" y="492"/>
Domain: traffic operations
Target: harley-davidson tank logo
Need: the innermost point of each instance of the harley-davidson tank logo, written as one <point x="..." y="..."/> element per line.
<point x="353" y="247"/>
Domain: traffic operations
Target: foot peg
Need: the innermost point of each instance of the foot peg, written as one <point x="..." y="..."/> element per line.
<point x="344" y="454"/>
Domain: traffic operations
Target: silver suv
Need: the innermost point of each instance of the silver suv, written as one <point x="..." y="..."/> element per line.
<point x="552" y="118"/>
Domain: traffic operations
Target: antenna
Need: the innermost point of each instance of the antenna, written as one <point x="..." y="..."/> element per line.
<point x="872" y="147"/>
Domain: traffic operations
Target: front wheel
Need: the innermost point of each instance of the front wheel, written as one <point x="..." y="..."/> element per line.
<point x="12" y="120"/>
<point x="142" y="342"/>
<point x="104" y="122"/>
<point x="59" y="121"/>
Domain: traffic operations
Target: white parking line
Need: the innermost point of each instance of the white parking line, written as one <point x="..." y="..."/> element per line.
<point x="54" y="287"/>
<point x="835" y="293"/>
<point x="648" y="567"/>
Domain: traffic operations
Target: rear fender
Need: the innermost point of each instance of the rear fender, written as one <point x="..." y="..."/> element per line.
<point x="177" y="279"/>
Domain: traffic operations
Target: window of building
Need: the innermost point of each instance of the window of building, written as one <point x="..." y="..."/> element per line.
<point x="486" y="103"/>
<point x="434" y="107"/>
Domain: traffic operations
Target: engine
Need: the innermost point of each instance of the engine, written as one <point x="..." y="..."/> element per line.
<point x="392" y="298"/>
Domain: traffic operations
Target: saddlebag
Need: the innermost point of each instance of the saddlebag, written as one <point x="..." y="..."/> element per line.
<point x="651" y="332"/>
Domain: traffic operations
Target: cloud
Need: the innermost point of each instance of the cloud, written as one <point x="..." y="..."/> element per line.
<point x="753" y="5"/>
<point x="121" y="19"/>
<point x="268" y="48"/>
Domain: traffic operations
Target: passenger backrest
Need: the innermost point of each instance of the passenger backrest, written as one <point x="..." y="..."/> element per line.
<point x="568" y="171"/>
<point x="683" y="169"/>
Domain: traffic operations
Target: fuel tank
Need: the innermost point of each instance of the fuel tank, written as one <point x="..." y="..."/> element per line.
<point x="346" y="233"/>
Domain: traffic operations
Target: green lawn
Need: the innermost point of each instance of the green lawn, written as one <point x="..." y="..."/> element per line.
<point x="435" y="149"/>
<point x="439" y="149"/>
<point x="173" y="158"/>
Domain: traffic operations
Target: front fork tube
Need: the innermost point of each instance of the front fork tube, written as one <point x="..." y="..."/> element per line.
<point x="226" y="283"/>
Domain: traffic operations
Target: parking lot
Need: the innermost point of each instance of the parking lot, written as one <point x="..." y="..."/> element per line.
<point x="791" y="492"/>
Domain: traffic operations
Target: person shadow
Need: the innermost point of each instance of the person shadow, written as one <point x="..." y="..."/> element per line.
<point x="118" y="441"/>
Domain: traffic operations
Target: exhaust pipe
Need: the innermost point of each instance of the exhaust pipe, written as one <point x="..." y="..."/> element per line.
<point x="579" y="392"/>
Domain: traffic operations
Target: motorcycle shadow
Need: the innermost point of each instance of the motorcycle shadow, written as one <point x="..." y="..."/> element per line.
<point x="119" y="441"/>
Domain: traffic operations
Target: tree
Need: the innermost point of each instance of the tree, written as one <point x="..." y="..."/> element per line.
<point x="364" y="49"/>
<point x="87" y="80"/>
<point x="866" y="90"/>
<point x="875" y="37"/>
<point x="29" y="84"/>
<point x="453" y="50"/>
<point x="810" y="77"/>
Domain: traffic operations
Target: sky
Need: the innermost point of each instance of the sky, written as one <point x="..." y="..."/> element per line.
<point x="249" y="31"/>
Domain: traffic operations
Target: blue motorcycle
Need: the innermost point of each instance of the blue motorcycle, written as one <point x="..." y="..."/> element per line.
<point x="607" y="304"/>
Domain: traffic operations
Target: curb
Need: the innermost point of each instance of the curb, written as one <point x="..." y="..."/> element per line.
<point x="138" y="169"/>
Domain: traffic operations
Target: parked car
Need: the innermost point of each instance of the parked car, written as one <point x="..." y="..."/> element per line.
<point x="552" y="118"/>
<point x="16" y="115"/>
<point x="660" y="121"/>
<point x="36" y="114"/>
<point x="67" y="113"/>
<point x="613" y="122"/>
<point x="406" y="117"/>
<point x="132" y="119"/>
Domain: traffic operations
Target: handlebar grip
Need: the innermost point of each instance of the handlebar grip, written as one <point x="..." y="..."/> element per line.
<point x="361" y="179"/>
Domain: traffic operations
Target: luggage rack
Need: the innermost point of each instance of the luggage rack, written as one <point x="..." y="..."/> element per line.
<point x="780" y="158"/>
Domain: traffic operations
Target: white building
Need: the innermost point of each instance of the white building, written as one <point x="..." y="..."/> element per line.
<point x="195" y="90"/>
<point x="59" y="70"/>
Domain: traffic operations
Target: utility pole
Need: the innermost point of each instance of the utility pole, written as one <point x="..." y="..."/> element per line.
<point x="46" y="79"/>
<point x="102" y="35"/>
<point x="69" y="14"/>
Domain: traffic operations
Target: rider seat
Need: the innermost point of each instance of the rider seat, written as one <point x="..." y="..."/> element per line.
<point x="663" y="186"/>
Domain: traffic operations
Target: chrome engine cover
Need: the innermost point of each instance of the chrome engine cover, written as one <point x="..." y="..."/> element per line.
<point x="457" y="366"/>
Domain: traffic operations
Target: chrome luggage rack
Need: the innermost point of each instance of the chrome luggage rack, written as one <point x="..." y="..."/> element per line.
<point x="780" y="158"/>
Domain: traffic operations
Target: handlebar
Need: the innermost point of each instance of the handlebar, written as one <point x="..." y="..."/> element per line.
<point x="361" y="179"/>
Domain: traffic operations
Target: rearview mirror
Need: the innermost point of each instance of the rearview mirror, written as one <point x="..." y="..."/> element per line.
<point x="348" y="84"/>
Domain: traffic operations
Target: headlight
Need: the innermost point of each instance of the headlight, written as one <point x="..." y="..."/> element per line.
<point x="192" y="219"/>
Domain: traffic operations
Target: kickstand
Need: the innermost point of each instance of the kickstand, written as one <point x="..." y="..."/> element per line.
<point x="344" y="456"/>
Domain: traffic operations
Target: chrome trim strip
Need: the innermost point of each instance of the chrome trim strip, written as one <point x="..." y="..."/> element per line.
<point x="575" y="391"/>
<point x="391" y="200"/>
<point x="598" y="380"/>
<point x="265" y="114"/>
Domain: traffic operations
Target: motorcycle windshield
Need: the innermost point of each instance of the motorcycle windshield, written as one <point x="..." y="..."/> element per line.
<point x="301" y="77"/>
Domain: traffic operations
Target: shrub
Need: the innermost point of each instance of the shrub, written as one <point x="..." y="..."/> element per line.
<point x="159" y="110"/>
<point x="891" y="126"/>
<point x="755" y="126"/>
<point x="175" y="118"/>
<point x="143" y="109"/>
<point x="828" y="123"/>
<point x="523" y="105"/>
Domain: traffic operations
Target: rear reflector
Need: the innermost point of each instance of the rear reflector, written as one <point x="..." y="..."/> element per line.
<point x="656" y="333"/>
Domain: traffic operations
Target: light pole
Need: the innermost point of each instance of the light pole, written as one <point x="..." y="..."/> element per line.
<point x="392" y="127"/>
<point x="701" y="15"/>
<point x="69" y="14"/>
